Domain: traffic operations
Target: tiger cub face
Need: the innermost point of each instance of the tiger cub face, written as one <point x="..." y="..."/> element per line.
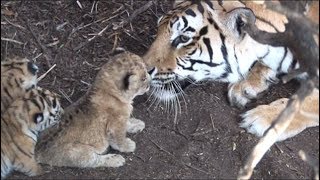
<point x="20" y="126"/>
<point x="45" y="108"/>
<point x="191" y="44"/>
<point x="17" y="76"/>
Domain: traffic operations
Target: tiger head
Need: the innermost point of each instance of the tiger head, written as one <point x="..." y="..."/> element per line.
<point x="41" y="108"/>
<point x="191" y="44"/>
<point x="19" y="72"/>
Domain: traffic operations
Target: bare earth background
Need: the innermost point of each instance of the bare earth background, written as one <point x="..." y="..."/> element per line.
<point x="207" y="142"/>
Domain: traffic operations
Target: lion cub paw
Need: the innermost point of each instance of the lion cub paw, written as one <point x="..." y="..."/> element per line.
<point x="127" y="146"/>
<point x="135" y="125"/>
<point x="256" y="121"/>
<point x="113" y="160"/>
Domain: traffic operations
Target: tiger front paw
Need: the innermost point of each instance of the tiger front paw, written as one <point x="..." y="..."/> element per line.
<point x="258" y="80"/>
<point x="256" y="121"/>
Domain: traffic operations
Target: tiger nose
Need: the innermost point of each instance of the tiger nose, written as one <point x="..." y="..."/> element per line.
<point x="33" y="68"/>
<point x="166" y="69"/>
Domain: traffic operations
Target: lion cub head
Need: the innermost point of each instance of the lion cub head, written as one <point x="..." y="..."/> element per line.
<point x="125" y="74"/>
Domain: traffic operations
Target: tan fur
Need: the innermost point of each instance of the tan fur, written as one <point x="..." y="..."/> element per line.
<point x="20" y="126"/>
<point x="16" y="78"/>
<point x="259" y="119"/>
<point x="100" y="118"/>
<point x="258" y="80"/>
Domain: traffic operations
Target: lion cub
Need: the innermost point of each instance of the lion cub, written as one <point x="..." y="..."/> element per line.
<point x="100" y="118"/>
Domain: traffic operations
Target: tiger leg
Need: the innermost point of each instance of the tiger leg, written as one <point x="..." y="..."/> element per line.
<point x="259" y="119"/>
<point x="28" y="166"/>
<point x="118" y="139"/>
<point x="259" y="79"/>
<point x="135" y="125"/>
<point x="79" y="155"/>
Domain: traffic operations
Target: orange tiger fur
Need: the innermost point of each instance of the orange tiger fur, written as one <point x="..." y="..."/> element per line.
<point x="17" y="76"/>
<point x="20" y="126"/>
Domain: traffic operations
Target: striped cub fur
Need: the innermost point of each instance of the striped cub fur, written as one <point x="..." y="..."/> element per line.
<point x="20" y="127"/>
<point x="17" y="76"/>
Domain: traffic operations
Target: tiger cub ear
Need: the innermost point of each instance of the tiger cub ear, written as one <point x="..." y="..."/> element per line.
<point x="177" y="2"/>
<point x="237" y="18"/>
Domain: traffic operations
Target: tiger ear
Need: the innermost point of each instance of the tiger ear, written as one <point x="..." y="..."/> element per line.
<point x="238" y="18"/>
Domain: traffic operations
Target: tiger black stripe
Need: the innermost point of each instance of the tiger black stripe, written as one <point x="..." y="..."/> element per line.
<point x="200" y="7"/>
<point x="293" y="64"/>
<point x="194" y="51"/>
<point x="7" y="92"/>
<point x="225" y="53"/>
<point x="220" y="2"/>
<point x="209" y="4"/>
<point x="185" y="22"/>
<point x="203" y="31"/>
<point x="236" y="58"/>
<point x="265" y="55"/>
<point x="21" y="150"/>
<point x="190" y="29"/>
<point x="36" y="103"/>
<point x="190" y="12"/>
<point x="210" y="51"/>
<point x="283" y="58"/>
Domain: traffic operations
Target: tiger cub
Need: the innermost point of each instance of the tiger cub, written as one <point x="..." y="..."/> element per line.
<point x="17" y="76"/>
<point x="20" y="127"/>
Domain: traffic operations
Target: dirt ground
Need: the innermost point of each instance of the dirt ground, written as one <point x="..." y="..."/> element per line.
<point x="208" y="142"/>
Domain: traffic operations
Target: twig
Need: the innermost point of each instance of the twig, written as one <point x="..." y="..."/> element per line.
<point x="311" y="162"/>
<point x="161" y="148"/>
<point x="65" y="96"/>
<point x="43" y="75"/>
<point x="279" y="125"/>
<point x="43" y="48"/>
<point x="11" y="40"/>
<point x="13" y="24"/>
<point x="195" y="168"/>
<point x="140" y="10"/>
<point x="91" y="39"/>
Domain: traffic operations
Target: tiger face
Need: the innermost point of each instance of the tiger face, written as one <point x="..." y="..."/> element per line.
<point x="45" y="108"/>
<point x="17" y="76"/>
<point x="20" y="126"/>
<point x="191" y="45"/>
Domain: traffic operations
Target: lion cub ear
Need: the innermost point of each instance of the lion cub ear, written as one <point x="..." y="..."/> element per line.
<point x="126" y="81"/>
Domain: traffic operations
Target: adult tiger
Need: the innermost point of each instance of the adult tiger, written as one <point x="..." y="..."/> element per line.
<point x="205" y="40"/>
<point x="21" y="123"/>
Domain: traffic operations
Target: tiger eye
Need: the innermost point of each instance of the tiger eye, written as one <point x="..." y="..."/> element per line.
<point x="184" y="38"/>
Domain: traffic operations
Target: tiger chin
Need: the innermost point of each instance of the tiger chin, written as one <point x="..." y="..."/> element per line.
<point x="99" y="119"/>
<point x="205" y="40"/>
<point x="21" y="124"/>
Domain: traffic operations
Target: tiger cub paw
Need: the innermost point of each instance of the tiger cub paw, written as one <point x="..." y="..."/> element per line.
<point x="135" y="125"/>
<point x="256" y="121"/>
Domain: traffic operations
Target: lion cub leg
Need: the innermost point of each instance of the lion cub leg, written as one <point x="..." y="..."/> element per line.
<point x="118" y="139"/>
<point x="259" y="79"/>
<point x="259" y="119"/>
<point x="135" y="125"/>
<point x="79" y="155"/>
